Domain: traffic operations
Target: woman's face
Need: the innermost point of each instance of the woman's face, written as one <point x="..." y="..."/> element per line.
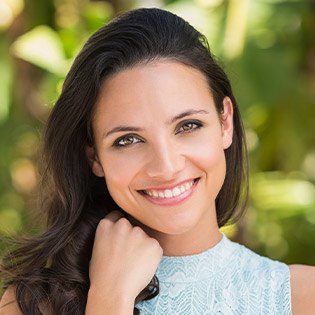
<point x="159" y="143"/>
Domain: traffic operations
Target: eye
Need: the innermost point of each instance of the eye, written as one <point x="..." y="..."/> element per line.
<point x="126" y="141"/>
<point x="189" y="126"/>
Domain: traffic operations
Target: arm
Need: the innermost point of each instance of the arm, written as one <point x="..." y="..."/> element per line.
<point x="8" y="304"/>
<point x="97" y="305"/>
<point x="302" y="289"/>
<point x="124" y="260"/>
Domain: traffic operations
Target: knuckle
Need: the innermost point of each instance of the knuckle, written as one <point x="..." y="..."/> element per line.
<point x="154" y="243"/>
<point x="139" y="233"/>
<point x="104" y="224"/>
<point x="137" y="230"/>
<point x="123" y="223"/>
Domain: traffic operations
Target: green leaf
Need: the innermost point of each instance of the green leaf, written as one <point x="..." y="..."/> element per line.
<point x="275" y="191"/>
<point x="42" y="47"/>
<point x="6" y="78"/>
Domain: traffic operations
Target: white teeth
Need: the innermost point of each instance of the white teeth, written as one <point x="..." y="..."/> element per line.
<point x="155" y="193"/>
<point x="161" y="195"/>
<point x="176" y="191"/>
<point x="168" y="193"/>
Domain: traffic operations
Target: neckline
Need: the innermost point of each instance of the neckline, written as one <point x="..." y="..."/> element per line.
<point x="195" y="267"/>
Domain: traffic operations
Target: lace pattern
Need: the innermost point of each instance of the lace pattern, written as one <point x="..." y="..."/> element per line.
<point x="227" y="279"/>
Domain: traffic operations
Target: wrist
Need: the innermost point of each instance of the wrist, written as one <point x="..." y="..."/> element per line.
<point x="101" y="301"/>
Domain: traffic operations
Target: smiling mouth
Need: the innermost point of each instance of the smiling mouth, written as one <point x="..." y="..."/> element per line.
<point x="170" y="193"/>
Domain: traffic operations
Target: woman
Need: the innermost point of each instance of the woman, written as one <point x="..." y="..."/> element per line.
<point x="144" y="160"/>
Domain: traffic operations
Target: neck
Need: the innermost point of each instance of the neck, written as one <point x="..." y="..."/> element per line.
<point x="198" y="239"/>
<point x="184" y="244"/>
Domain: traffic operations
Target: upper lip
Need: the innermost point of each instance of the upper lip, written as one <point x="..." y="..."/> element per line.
<point x="172" y="186"/>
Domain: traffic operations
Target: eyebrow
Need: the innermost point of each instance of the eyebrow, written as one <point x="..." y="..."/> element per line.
<point x="169" y="122"/>
<point x="187" y="113"/>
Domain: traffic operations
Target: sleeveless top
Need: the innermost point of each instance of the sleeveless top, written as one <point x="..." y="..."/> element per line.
<point x="227" y="279"/>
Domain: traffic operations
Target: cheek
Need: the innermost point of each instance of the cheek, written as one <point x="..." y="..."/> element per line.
<point x="207" y="150"/>
<point x="212" y="157"/>
<point x="120" y="171"/>
<point x="209" y="157"/>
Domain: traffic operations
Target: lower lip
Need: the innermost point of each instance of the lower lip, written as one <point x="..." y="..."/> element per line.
<point x="174" y="201"/>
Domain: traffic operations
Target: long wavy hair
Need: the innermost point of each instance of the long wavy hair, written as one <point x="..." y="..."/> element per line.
<point x="50" y="272"/>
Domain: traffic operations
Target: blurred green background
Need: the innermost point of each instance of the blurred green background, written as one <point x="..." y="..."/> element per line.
<point x="266" y="46"/>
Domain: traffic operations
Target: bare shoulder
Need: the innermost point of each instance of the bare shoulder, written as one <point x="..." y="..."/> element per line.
<point x="8" y="304"/>
<point x="302" y="289"/>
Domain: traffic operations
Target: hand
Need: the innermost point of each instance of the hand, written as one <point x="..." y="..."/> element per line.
<point x="124" y="258"/>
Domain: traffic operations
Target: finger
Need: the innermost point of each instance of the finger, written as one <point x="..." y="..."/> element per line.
<point x="114" y="216"/>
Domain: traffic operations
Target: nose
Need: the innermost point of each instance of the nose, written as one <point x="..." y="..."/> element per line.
<point x="165" y="161"/>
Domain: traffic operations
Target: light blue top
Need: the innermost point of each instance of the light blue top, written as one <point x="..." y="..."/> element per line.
<point x="227" y="279"/>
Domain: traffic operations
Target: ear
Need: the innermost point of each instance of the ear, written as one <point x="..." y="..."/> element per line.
<point x="94" y="162"/>
<point x="227" y="122"/>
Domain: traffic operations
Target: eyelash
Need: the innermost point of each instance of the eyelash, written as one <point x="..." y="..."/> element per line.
<point x="198" y="124"/>
<point x="116" y="143"/>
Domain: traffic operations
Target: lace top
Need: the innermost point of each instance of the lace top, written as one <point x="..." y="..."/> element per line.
<point x="227" y="279"/>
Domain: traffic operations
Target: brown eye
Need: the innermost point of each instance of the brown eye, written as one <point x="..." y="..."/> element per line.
<point x="189" y="126"/>
<point x="126" y="141"/>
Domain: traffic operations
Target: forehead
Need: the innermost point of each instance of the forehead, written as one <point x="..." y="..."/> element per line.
<point x="153" y="89"/>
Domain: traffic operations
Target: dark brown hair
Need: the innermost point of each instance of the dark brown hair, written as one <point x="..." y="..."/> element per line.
<point x="50" y="271"/>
